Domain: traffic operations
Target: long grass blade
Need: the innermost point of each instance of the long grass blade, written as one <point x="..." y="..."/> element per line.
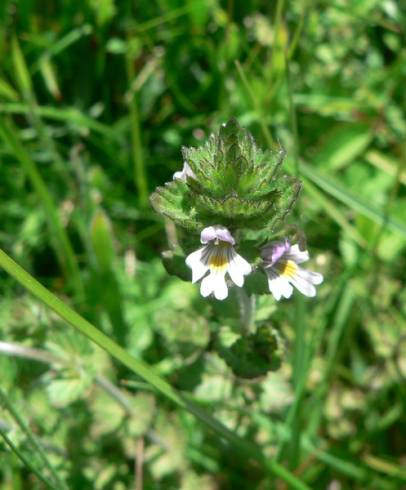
<point x="31" y="438"/>
<point x="26" y="462"/>
<point x="70" y="115"/>
<point x="337" y="190"/>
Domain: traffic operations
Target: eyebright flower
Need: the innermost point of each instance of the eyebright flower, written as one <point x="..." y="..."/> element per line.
<point x="281" y="263"/>
<point x="219" y="257"/>
<point x="184" y="173"/>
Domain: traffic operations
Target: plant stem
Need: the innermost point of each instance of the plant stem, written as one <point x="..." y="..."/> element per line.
<point x="247" y="310"/>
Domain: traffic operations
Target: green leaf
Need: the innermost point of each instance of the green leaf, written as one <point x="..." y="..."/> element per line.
<point x="22" y="74"/>
<point x="181" y="336"/>
<point x="171" y="201"/>
<point x="107" y="413"/>
<point x="144" y="413"/>
<point x="68" y="115"/>
<point x="257" y="283"/>
<point x="174" y="263"/>
<point x="38" y="450"/>
<point x="50" y="78"/>
<point x="7" y="91"/>
<point x="102" y="240"/>
<point x="63" y="392"/>
<point x="254" y="355"/>
<point x="343" y="145"/>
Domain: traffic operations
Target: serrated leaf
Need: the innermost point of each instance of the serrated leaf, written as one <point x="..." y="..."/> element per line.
<point x="171" y="201"/>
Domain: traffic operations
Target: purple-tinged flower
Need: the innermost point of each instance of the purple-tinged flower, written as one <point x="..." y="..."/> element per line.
<point x="281" y="262"/>
<point x="184" y="173"/>
<point x="219" y="257"/>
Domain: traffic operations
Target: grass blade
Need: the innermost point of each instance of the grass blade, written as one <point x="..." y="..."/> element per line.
<point x="70" y="115"/>
<point x="337" y="190"/>
<point x="335" y="213"/>
<point x="31" y="438"/>
<point x="139" y="170"/>
<point x="26" y="462"/>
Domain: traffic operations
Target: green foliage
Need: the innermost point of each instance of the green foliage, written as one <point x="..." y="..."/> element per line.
<point x="254" y="355"/>
<point x="75" y="371"/>
<point x="96" y="99"/>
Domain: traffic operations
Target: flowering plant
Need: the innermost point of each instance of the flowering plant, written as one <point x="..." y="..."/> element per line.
<point x="232" y="197"/>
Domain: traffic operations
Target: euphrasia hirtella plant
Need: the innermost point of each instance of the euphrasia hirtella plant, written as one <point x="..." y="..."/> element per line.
<point x="231" y="197"/>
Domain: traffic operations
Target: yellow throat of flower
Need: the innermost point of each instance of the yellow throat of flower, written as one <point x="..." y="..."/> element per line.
<point x="219" y="257"/>
<point x="287" y="268"/>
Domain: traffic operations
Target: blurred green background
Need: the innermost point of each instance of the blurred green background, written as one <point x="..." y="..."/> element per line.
<point x="96" y="99"/>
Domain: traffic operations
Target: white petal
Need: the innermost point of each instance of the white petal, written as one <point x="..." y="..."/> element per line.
<point x="315" y="277"/>
<point x="184" y="173"/>
<point x="194" y="261"/>
<point x="242" y="264"/>
<point x="238" y="267"/>
<point x="235" y="273"/>
<point x="219" y="286"/>
<point x="286" y="288"/>
<point x="180" y="175"/>
<point x="297" y="255"/>
<point x="303" y="283"/>
<point x="214" y="283"/>
<point x="194" y="257"/>
<point x="207" y="286"/>
<point x="275" y="287"/>
<point x="188" y="171"/>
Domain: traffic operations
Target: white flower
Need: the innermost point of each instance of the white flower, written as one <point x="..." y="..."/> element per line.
<point x="184" y="173"/>
<point x="281" y="263"/>
<point x="219" y="257"/>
